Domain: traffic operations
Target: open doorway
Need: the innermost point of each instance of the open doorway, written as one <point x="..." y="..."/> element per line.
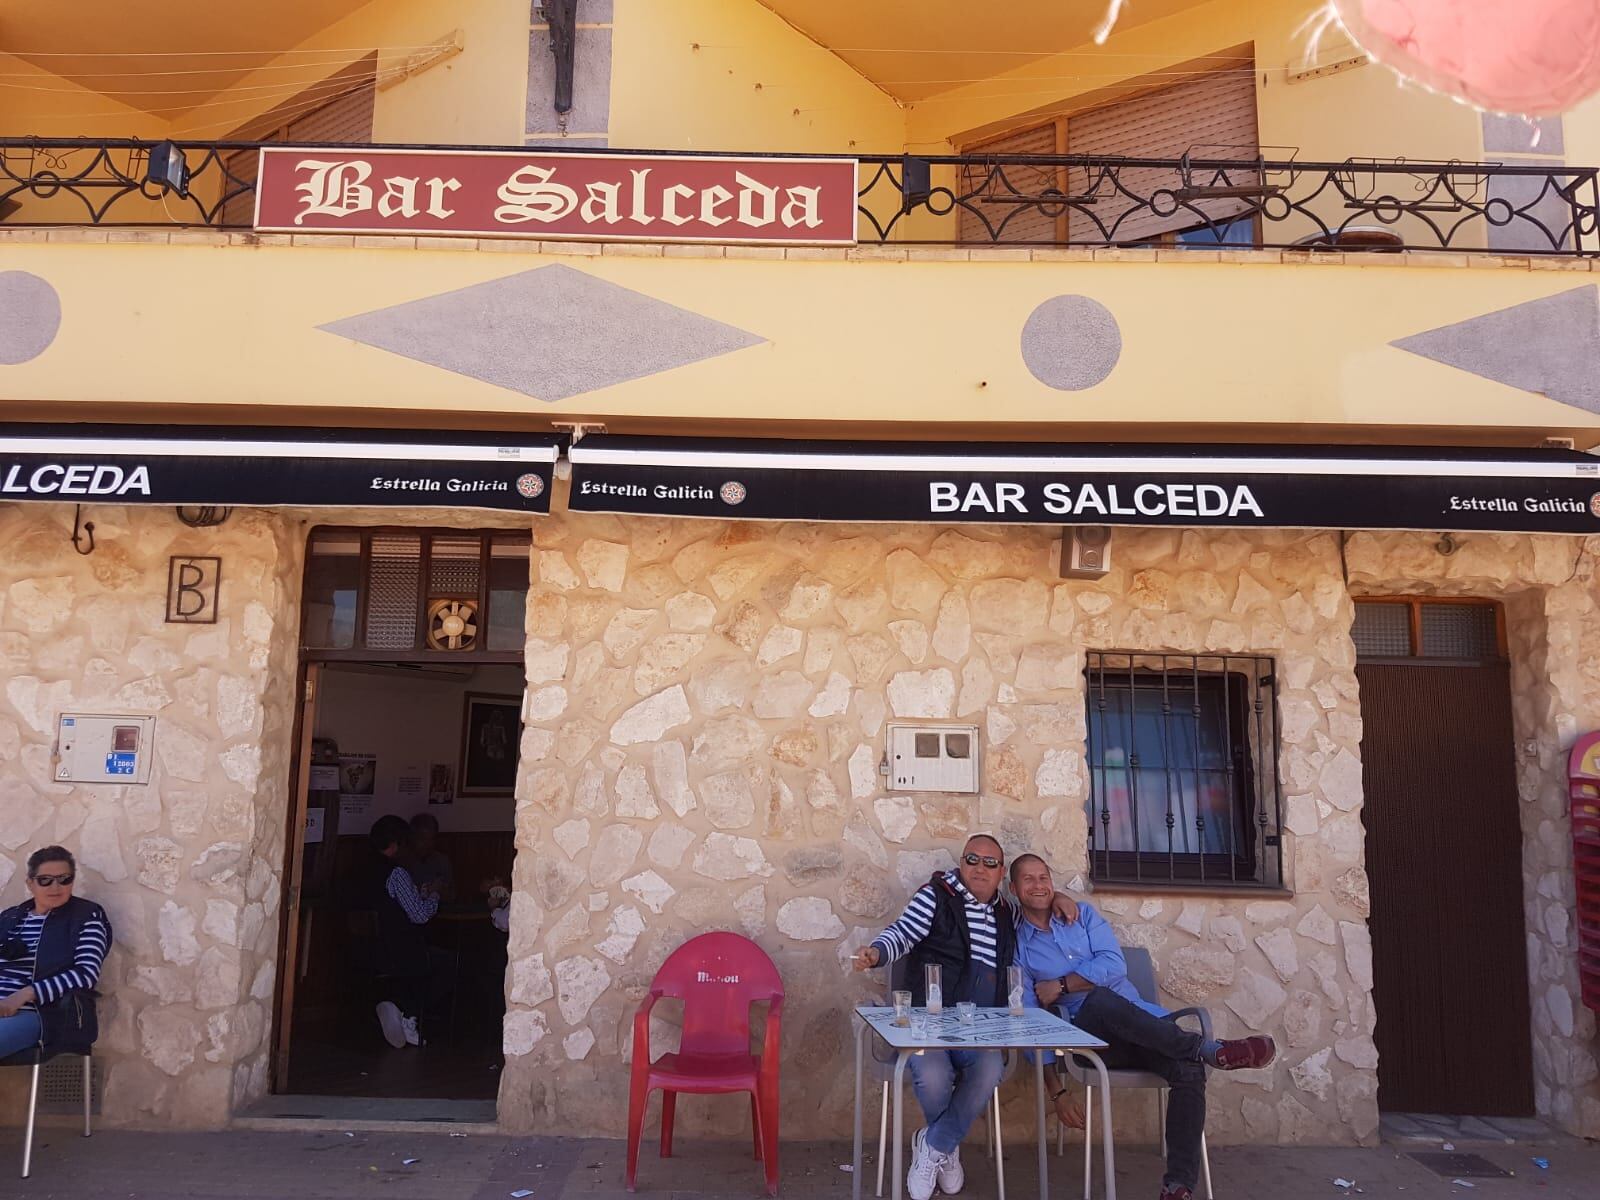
<point x="394" y="952"/>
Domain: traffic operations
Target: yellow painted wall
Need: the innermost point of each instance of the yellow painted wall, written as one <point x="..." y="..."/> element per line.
<point x="901" y="347"/>
<point x="35" y="103"/>
<point x="474" y="98"/>
<point x="754" y="83"/>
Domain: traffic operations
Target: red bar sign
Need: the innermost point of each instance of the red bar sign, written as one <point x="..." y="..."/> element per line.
<point x="598" y="197"/>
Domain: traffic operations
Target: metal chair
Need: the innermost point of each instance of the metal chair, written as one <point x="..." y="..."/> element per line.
<point x="994" y="1143"/>
<point x="1142" y="974"/>
<point x="36" y="1057"/>
<point x="882" y="1060"/>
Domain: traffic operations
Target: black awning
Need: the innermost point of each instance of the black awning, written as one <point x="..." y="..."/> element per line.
<point x="1296" y="487"/>
<point x="344" y="468"/>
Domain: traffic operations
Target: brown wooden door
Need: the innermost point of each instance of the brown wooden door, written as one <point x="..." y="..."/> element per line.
<point x="296" y="932"/>
<point x="1444" y="850"/>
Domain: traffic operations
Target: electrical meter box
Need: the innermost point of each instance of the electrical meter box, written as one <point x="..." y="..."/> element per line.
<point x="100" y="749"/>
<point x="933" y="758"/>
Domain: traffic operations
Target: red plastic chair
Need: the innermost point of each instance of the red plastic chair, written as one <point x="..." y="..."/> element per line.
<point x="717" y="976"/>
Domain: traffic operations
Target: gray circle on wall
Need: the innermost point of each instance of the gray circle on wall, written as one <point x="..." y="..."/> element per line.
<point x="30" y="316"/>
<point x="1071" y="343"/>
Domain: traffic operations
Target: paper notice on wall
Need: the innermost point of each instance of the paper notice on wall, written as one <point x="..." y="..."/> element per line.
<point x="314" y="824"/>
<point x="441" y="784"/>
<point x="358" y="780"/>
<point x="411" y="781"/>
<point x="325" y="777"/>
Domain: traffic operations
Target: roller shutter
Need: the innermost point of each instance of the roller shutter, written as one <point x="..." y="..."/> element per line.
<point x="345" y="118"/>
<point x="996" y="187"/>
<point x="1212" y="116"/>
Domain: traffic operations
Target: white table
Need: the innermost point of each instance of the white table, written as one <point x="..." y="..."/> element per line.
<point x="993" y="1029"/>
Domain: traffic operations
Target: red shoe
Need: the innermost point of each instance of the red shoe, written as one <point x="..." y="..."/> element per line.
<point x="1175" y="1191"/>
<point x="1245" y="1054"/>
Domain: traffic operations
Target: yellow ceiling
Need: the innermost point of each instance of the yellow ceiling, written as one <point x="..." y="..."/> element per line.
<point x="917" y="48"/>
<point x="166" y="56"/>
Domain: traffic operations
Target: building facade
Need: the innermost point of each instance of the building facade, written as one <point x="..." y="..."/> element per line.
<point x="1299" y="728"/>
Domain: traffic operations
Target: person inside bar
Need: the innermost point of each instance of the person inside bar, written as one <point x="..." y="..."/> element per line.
<point x="1077" y="970"/>
<point x="416" y="976"/>
<point x="430" y="866"/>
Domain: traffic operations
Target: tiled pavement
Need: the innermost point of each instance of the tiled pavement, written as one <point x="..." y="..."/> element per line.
<point x="324" y="1165"/>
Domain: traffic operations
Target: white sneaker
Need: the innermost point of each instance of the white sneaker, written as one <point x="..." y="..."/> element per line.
<point x="393" y="1024"/>
<point x="951" y="1177"/>
<point x="925" y="1162"/>
<point x="408" y="1026"/>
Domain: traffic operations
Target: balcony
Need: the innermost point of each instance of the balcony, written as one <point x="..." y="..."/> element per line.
<point x="1192" y="202"/>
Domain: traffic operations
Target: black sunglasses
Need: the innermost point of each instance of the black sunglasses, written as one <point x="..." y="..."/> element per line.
<point x="973" y="860"/>
<point x="52" y="880"/>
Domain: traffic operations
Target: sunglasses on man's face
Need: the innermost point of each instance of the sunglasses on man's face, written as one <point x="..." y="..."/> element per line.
<point x="973" y="860"/>
<point x="52" y="880"/>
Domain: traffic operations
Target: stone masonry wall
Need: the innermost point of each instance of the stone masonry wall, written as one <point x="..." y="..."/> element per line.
<point x="705" y="713"/>
<point x="188" y="865"/>
<point x="705" y="716"/>
<point x="1548" y="585"/>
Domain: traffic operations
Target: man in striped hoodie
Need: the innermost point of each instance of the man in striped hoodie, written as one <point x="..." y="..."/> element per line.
<point x="51" y="949"/>
<point x="959" y="921"/>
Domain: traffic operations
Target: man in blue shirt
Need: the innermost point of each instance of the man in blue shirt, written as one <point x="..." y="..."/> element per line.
<point x="1078" y="969"/>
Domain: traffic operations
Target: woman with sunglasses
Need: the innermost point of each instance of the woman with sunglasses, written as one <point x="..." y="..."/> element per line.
<point x="52" y="946"/>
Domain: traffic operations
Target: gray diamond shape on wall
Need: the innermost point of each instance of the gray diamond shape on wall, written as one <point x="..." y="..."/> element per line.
<point x="551" y="333"/>
<point x="1550" y="346"/>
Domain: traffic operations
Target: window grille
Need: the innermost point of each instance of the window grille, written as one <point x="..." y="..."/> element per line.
<point x="1183" y="769"/>
<point x="386" y="593"/>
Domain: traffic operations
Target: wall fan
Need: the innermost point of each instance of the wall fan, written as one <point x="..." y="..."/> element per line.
<point x="452" y="624"/>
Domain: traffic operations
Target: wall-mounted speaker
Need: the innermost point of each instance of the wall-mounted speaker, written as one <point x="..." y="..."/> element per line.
<point x="1085" y="551"/>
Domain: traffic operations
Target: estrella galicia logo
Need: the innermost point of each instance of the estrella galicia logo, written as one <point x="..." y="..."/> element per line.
<point x="733" y="492"/>
<point x="1594" y="504"/>
<point x="530" y="486"/>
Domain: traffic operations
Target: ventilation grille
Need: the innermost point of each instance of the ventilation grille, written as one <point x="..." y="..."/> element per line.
<point x="392" y="592"/>
<point x="1467" y="632"/>
<point x="61" y="1084"/>
<point x="1382" y="630"/>
<point x="454" y="567"/>
<point x="1459" y="631"/>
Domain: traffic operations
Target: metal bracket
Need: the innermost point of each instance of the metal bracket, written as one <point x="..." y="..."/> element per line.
<point x="577" y="429"/>
<point x="562" y="18"/>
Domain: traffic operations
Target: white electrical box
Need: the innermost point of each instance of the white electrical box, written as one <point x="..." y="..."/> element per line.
<point x="104" y="749"/>
<point x="933" y="758"/>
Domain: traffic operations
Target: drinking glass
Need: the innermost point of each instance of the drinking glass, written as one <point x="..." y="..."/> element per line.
<point x="902" y="1009"/>
<point x="919" y="1026"/>
<point x="932" y="979"/>
<point x="966" y="1012"/>
<point x="1014" y="986"/>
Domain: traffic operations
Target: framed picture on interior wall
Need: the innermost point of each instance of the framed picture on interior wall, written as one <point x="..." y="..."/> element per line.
<point x="491" y="727"/>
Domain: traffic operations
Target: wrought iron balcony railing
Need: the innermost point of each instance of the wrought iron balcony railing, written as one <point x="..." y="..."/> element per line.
<point x="978" y="200"/>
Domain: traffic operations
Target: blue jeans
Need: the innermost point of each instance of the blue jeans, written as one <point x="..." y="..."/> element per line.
<point x="953" y="1086"/>
<point x="18" y="1033"/>
<point x="1146" y="1042"/>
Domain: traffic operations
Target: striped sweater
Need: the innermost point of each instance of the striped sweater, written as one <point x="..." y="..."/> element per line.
<point x="917" y="922"/>
<point x="88" y="956"/>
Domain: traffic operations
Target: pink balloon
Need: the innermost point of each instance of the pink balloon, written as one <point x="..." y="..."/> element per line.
<point x="1532" y="57"/>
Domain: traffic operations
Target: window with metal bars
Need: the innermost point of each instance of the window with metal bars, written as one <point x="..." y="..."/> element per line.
<point x="1183" y="774"/>
<point x="388" y="593"/>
